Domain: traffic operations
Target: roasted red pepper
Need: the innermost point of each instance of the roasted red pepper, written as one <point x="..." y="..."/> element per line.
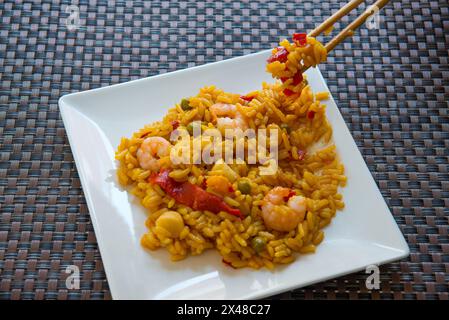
<point x="300" y="39"/>
<point x="247" y="98"/>
<point x="227" y="263"/>
<point x="297" y="79"/>
<point x="280" y="55"/>
<point x="311" y="114"/>
<point x="288" y="92"/>
<point x="175" y="124"/>
<point x="291" y="194"/>
<point x="191" y="195"/>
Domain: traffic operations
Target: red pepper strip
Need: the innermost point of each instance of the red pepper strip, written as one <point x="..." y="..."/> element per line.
<point x="228" y="263"/>
<point x="311" y="115"/>
<point x="191" y="195"/>
<point x="301" y="38"/>
<point x="297" y="78"/>
<point x="280" y="55"/>
<point x="291" y="194"/>
<point x="175" y="124"/>
<point x="288" y="92"/>
<point x="247" y="98"/>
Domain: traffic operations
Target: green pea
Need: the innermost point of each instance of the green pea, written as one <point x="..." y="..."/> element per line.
<point x="190" y="128"/>
<point x="286" y="127"/>
<point x="258" y="244"/>
<point x="185" y="105"/>
<point x="244" y="187"/>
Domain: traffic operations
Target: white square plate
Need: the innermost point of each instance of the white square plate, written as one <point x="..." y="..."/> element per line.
<point x="364" y="233"/>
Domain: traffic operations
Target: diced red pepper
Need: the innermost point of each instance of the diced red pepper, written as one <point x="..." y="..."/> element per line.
<point x="191" y="195"/>
<point x="300" y="39"/>
<point x="227" y="263"/>
<point x="231" y="189"/>
<point x="311" y="114"/>
<point x="301" y="154"/>
<point x="247" y="98"/>
<point x="280" y="55"/>
<point x="175" y="124"/>
<point x="297" y="79"/>
<point x="288" y="92"/>
<point x="291" y="194"/>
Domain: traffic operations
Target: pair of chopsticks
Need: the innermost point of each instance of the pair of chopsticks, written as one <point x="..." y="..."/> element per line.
<point x="349" y="30"/>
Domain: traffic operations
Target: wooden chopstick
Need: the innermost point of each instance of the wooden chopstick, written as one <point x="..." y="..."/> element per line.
<point x="329" y="22"/>
<point x="349" y="30"/>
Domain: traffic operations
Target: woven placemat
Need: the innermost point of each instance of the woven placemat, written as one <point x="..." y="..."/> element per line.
<point x="390" y="83"/>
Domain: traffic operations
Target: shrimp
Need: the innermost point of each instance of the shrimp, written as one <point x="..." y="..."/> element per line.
<point x="281" y="217"/>
<point x="228" y="117"/>
<point x="150" y="152"/>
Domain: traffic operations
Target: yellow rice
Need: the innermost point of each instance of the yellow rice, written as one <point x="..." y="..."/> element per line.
<point x="317" y="177"/>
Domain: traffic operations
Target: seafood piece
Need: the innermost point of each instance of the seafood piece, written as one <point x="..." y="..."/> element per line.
<point x="151" y="151"/>
<point x="282" y="210"/>
<point x="228" y="117"/>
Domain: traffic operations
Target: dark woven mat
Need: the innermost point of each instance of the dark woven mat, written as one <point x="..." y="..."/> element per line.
<point x="391" y="85"/>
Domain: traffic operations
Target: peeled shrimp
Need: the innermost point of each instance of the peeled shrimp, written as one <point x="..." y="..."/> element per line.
<point x="150" y="152"/>
<point x="228" y="117"/>
<point x="282" y="215"/>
